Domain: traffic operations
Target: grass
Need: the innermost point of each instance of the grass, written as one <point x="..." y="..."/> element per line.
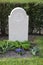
<point x="21" y="61"/>
<point x="39" y="41"/>
<point x="22" y="1"/>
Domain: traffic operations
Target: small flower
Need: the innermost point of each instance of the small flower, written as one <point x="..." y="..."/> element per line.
<point x="19" y="50"/>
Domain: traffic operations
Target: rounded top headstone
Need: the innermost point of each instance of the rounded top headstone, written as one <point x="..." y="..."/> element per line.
<point x="18" y="24"/>
<point x="18" y="14"/>
<point x="18" y="9"/>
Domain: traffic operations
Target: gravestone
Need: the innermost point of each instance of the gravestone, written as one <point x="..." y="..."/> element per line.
<point x="18" y="25"/>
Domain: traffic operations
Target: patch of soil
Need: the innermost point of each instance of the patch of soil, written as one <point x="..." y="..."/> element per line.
<point x="15" y="55"/>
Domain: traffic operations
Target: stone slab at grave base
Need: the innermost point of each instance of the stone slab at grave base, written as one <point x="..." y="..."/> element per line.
<point x="18" y="25"/>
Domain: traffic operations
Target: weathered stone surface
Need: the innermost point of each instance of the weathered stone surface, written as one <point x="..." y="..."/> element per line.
<point x="18" y="25"/>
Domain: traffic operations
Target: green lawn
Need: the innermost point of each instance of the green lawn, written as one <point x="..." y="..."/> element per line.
<point x="39" y="41"/>
<point x="22" y="1"/>
<point x="21" y="61"/>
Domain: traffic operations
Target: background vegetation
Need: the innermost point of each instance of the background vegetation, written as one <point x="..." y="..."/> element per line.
<point x="34" y="10"/>
<point x="21" y="1"/>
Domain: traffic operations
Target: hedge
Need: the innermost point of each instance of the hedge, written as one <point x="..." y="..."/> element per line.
<point x="34" y="10"/>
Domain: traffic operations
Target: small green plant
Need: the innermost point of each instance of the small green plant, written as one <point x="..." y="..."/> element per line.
<point x="3" y="46"/>
<point x="35" y="50"/>
<point x="11" y="45"/>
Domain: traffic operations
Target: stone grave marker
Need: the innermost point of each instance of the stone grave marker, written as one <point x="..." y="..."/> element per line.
<point x="18" y="25"/>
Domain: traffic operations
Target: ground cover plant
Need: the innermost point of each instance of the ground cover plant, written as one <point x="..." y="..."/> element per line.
<point x="6" y="45"/>
<point x="21" y="47"/>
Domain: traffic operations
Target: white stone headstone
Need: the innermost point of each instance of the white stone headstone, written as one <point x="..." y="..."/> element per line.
<point x="18" y="25"/>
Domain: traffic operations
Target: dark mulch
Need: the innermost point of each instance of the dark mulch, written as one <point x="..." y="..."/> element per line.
<point x="15" y="55"/>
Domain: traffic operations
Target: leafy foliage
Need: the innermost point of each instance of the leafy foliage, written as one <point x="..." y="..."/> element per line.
<point x="10" y="45"/>
<point x="36" y="17"/>
<point x="34" y="10"/>
<point x="25" y="44"/>
<point x="35" y="50"/>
